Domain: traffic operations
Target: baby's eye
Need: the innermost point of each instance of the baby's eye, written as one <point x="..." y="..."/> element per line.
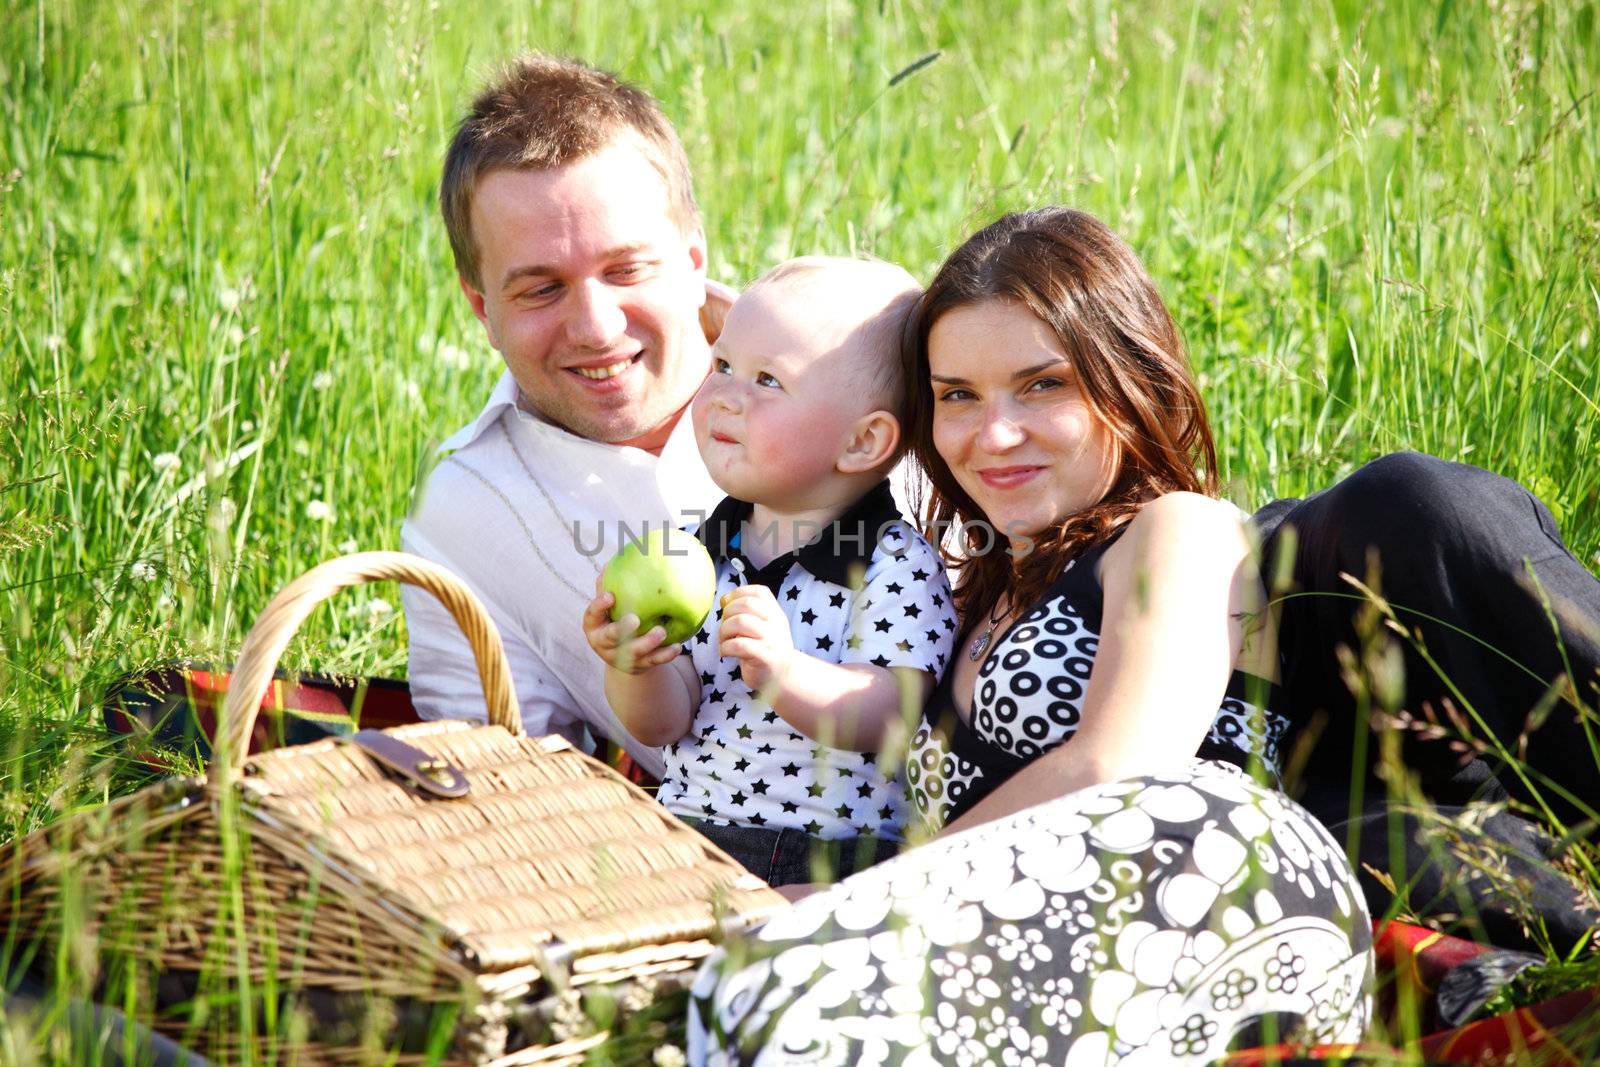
<point x="720" y="366"/>
<point x="767" y="380"/>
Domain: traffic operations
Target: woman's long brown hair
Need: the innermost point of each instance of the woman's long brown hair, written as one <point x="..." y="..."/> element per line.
<point x="1087" y="285"/>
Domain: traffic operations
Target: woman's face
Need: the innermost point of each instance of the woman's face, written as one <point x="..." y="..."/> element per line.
<point x="1010" y="420"/>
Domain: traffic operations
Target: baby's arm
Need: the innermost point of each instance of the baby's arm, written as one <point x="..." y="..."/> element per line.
<point x="653" y="690"/>
<point x="902" y="627"/>
<point x="852" y="706"/>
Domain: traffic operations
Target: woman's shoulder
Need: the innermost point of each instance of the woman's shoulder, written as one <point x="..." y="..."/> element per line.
<point x="1185" y="514"/>
<point x="1186" y="525"/>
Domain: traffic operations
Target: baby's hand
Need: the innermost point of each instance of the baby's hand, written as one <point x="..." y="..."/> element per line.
<point x="756" y="632"/>
<point x="617" y="642"/>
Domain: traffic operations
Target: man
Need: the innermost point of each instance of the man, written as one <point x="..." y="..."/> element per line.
<point x="568" y="203"/>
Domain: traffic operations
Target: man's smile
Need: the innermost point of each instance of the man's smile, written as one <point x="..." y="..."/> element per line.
<point x="607" y="369"/>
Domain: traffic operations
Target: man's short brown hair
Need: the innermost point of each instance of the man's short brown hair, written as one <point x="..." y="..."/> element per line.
<point x="541" y="112"/>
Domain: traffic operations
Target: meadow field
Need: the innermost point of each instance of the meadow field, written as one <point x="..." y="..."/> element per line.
<point x="230" y="331"/>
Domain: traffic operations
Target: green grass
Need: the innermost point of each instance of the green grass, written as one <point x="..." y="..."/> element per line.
<point x="218" y="243"/>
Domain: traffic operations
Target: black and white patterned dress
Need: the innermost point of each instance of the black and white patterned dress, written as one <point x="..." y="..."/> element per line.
<point x="1156" y="919"/>
<point x="1029" y="697"/>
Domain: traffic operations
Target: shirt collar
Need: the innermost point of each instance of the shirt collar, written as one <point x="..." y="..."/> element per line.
<point x="849" y="540"/>
<point x="502" y="398"/>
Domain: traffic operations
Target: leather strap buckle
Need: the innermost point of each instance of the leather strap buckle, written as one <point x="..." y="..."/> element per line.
<point x="416" y="768"/>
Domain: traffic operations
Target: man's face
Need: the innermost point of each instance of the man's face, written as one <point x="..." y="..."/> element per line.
<point x="591" y="292"/>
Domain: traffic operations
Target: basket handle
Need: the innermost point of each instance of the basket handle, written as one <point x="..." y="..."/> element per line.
<point x="281" y="618"/>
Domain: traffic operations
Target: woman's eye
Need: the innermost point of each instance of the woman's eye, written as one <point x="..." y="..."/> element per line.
<point x="954" y="394"/>
<point x="768" y="380"/>
<point x="1042" y="384"/>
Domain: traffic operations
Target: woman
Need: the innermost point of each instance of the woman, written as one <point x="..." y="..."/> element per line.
<point x="1134" y="895"/>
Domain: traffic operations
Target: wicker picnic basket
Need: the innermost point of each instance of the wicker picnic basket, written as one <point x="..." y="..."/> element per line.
<point x="352" y="900"/>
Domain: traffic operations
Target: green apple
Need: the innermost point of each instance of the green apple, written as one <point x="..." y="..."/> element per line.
<point x="666" y="578"/>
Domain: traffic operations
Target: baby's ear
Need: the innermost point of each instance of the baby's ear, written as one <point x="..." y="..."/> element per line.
<point x="872" y="443"/>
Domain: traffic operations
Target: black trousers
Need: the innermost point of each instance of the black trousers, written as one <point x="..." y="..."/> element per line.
<point x="1497" y="609"/>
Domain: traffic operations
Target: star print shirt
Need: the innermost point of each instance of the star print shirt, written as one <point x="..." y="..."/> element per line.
<point x="868" y="590"/>
<point x="1028" y="697"/>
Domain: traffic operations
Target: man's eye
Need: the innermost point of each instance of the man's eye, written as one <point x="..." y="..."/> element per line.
<point x="628" y="271"/>
<point x="541" y="292"/>
<point x="765" y="379"/>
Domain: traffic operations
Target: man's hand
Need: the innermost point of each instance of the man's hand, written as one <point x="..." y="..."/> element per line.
<point x="756" y="632"/>
<point x="619" y="643"/>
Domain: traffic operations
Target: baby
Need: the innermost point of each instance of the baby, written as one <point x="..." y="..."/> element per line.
<point x="834" y="615"/>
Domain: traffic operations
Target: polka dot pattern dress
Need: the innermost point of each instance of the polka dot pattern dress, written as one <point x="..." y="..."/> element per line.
<point x="1153" y="920"/>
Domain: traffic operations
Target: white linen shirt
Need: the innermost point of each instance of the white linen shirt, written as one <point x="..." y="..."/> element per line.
<point x="870" y="589"/>
<point x="526" y="513"/>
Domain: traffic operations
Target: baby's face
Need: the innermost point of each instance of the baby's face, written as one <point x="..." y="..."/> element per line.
<point x="782" y="398"/>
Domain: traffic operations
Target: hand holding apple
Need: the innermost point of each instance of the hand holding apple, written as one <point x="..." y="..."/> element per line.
<point x="665" y="579"/>
<point x="755" y="631"/>
<point x="619" y="643"/>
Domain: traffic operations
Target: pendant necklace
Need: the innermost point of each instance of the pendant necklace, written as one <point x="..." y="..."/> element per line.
<point x="980" y="644"/>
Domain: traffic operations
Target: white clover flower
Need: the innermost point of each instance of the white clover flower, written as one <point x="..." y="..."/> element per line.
<point x="54" y="341"/>
<point x="166" y="462"/>
<point x="179" y="295"/>
<point x="454" y="357"/>
<point x="426" y="343"/>
<point x="322" y="380"/>
<point x="169" y="404"/>
<point x="228" y="298"/>
<point x="347" y="546"/>
<point x="668" y="1056"/>
<point x="318" y="511"/>
<point x="247" y="426"/>
<point x="142" y="571"/>
<point x="227" y="510"/>
<point x="413" y="391"/>
<point x="378" y="609"/>
<point x="235" y="336"/>
<point x="301" y="447"/>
